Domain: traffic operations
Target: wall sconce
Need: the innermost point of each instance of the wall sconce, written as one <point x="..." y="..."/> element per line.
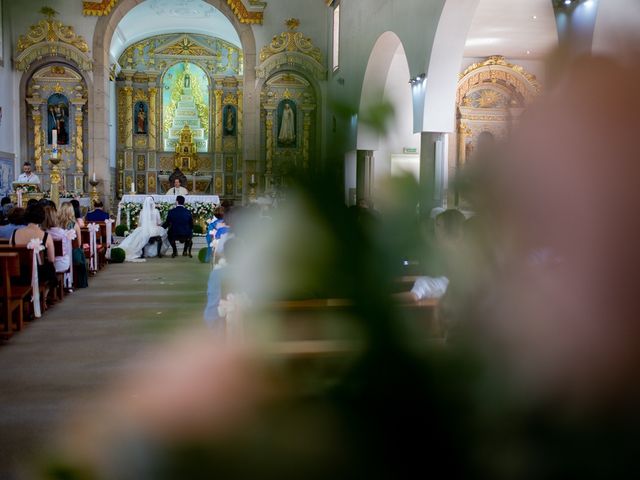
<point x="419" y="79"/>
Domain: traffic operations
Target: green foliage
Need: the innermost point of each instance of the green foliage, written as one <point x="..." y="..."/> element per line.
<point x="120" y="229"/>
<point x="117" y="255"/>
<point x="197" y="228"/>
<point x="202" y="255"/>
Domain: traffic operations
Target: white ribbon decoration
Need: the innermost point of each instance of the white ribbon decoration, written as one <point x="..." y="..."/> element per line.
<point x="232" y="310"/>
<point x="108" y="222"/>
<point x="35" y="244"/>
<point x="19" y="195"/>
<point x="93" y="248"/>
<point x="68" y="277"/>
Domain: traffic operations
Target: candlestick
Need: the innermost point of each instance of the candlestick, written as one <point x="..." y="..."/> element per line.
<point x="94" y="176"/>
<point x="253" y="178"/>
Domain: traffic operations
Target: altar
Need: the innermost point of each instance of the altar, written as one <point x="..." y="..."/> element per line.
<point x="202" y="207"/>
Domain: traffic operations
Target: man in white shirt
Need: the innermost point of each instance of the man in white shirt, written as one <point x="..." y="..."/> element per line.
<point x="27" y="176"/>
<point x="177" y="188"/>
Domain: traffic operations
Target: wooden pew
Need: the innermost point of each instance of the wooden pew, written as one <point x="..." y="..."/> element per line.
<point x="14" y="292"/>
<point x="100" y="247"/>
<point x="26" y="264"/>
<point x="57" y="244"/>
<point x="14" y="297"/>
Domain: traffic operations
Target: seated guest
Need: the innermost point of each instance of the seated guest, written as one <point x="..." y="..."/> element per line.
<point x="218" y="216"/>
<point x="34" y="217"/>
<point x="51" y="225"/>
<point x="67" y="221"/>
<point x="97" y="214"/>
<point x="31" y="202"/>
<point x="16" y="221"/>
<point x="177" y="188"/>
<point x="6" y="205"/>
<point x="76" y="210"/>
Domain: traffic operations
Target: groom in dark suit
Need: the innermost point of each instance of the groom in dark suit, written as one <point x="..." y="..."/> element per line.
<point x="180" y="224"/>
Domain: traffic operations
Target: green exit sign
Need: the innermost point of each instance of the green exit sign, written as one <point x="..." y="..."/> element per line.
<point x="409" y="150"/>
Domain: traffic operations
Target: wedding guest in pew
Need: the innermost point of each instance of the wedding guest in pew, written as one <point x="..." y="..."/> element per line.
<point x="78" y="213"/>
<point x="34" y="217"/>
<point x="97" y="214"/>
<point x="16" y="221"/>
<point x="5" y="207"/>
<point x="67" y="221"/>
<point x="52" y="226"/>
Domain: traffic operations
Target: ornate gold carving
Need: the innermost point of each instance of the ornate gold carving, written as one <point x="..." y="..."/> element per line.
<point x="98" y="8"/>
<point x="306" y="129"/>
<point x="151" y="182"/>
<point x="128" y="115"/>
<point x="229" y="144"/>
<point x="269" y="141"/>
<point x="128" y="160"/>
<point x="186" y="46"/>
<point x="496" y="70"/>
<point x="139" y="95"/>
<point x="240" y="121"/>
<point x="244" y="15"/>
<point x="152" y="117"/>
<point x="122" y="105"/>
<point x="141" y="161"/>
<point x="50" y="38"/>
<point x="58" y="88"/>
<point x="291" y="41"/>
<point x="186" y="157"/>
<point x="230" y="99"/>
<point x="37" y="137"/>
<point x="218" y="130"/>
<point x="79" y="142"/>
<point x="141" y="141"/>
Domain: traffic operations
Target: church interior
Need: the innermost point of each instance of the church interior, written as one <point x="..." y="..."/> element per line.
<point x="412" y="238"/>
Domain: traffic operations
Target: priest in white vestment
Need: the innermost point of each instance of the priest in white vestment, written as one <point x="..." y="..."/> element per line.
<point x="177" y="189"/>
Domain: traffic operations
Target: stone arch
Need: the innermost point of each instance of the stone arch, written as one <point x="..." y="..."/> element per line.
<point x="99" y="116"/>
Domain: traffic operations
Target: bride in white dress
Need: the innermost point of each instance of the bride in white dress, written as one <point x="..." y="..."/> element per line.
<point x="149" y="226"/>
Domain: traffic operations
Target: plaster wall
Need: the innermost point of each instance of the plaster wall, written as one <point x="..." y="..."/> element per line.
<point x="616" y="29"/>
<point x="8" y="99"/>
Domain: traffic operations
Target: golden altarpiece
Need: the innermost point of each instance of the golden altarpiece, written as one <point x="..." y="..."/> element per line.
<point x="290" y="71"/>
<point x="491" y="96"/>
<point x="54" y="61"/>
<point x="178" y="91"/>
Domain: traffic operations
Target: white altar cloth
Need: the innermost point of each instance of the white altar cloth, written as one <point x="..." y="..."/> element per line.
<point x="214" y="199"/>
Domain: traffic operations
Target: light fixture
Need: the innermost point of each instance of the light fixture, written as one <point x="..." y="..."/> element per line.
<point x="419" y="79"/>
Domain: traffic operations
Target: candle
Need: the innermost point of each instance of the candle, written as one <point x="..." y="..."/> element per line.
<point x="94" y="176"/>
<point x="133" y="187"/>
<point x="54" y="138"/>
<point x="253" y="178"/>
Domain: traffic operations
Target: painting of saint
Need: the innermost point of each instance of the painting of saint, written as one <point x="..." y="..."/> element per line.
<point x="229" y="120"/>
<point x="141" y="120"/>
<point x="58" y="118"/>
<point x="287" y="127"/>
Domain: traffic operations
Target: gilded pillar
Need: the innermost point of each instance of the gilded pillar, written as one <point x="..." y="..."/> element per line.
<point x="128" y="105"/>
<point x="268" y="133"/>
<point x="463" y="133"/>
<point x="152" y="118"/>
<point x="37" y="137"/>
<point x="239" y="126"/>
<point x="218" y="129"/>
<point x="306" y="129"/>
<point x="79" y="143"/>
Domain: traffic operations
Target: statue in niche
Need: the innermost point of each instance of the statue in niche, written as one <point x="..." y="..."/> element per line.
<point x="58" y="111"/>
<point x="287" y="132"/>
<point x="229" y="120"/>
<point x="141" y="118"/>
<point x="187" y="80"/>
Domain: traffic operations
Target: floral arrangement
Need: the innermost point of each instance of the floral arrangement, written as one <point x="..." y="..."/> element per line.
<point x="201" y="211"/>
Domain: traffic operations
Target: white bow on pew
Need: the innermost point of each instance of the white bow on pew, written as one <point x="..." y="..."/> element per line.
<point x="35" y="244"/>
<point x="93" y="246"/>
<point x="108" y="222"/>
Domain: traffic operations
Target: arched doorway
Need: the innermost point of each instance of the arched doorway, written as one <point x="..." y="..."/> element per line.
<point x="386" y="141"/>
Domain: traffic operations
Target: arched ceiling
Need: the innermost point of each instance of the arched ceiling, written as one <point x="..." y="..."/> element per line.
<point x="512" y="28"/>
<point x="155" y="17"/>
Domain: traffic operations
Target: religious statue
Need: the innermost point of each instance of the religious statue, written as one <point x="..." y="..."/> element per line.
<point x="229" y="121"/>
<point x="287" y="135"/>
<point x="187" y="80"/>
<point x="141" y="118"/>
<point x="59" y="113"/>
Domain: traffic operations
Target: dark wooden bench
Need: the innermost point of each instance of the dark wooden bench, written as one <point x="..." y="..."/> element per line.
<point x="13" y="297"/>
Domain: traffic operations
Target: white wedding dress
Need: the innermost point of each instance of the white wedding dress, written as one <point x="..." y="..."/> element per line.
<point x="149" y="225"/>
